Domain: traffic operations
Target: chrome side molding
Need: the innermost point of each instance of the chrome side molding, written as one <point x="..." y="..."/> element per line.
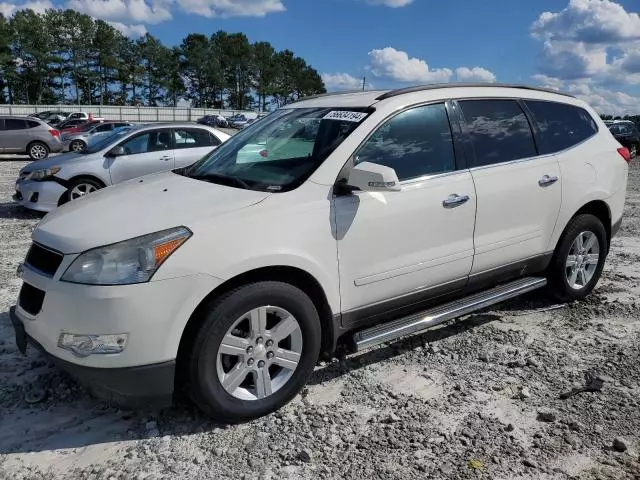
<point x="419" y="322"/>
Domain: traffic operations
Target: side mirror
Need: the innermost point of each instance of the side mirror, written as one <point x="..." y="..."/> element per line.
<point x="116" y="152"/>
<point x="371" y="177"/>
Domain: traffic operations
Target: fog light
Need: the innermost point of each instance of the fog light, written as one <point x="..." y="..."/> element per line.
<point x="85" y="345"/>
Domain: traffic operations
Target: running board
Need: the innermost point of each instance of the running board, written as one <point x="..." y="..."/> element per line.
<point x="419" y="322"/>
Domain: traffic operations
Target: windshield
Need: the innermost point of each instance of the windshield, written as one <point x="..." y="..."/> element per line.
<point x="280" y="151"/>
<point x="103" y="142"/>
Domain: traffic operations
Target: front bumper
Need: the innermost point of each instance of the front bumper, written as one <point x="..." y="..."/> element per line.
<point x="153" y="314"/>
<point x="41" y="196"/>
<point x="142" y="386"/>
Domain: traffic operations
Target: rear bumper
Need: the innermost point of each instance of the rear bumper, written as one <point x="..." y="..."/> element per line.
<point x="135" y="387"/>
<point x="615" y="228"/>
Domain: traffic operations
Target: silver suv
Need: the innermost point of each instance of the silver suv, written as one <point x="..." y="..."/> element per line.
<point x="28" y="135"/>
<point x="121" y="156"/>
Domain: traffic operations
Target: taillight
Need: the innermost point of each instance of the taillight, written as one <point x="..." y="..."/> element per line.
<point x="625" y="153"/>
<point x="54" y="132"/>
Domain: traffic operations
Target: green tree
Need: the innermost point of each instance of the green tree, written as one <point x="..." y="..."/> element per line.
<point x="65" y="55"/>
<point x="152" y="55"/>
<point x="104" y="57"/>
<point x="265" y="72"/>
<point x="130" y="72"/>
<point x="7" y="63"/>
<point x="31" y="47"/>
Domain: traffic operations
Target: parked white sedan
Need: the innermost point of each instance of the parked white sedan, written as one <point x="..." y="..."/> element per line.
<point x="126" y="154"/>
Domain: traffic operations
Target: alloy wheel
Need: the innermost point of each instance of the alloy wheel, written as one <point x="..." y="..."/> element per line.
<point x="582" y="260"/>
<point x="77" y="146"/>
<point x="259" y="353"/>
<point x="81" y="190"/>
<point x="38" y="151"/>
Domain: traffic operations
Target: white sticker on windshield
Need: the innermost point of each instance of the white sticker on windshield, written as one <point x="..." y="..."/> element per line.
<point x="346" y="116"/>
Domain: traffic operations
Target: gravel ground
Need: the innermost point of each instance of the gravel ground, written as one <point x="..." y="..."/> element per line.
<point x="476" y="398"/>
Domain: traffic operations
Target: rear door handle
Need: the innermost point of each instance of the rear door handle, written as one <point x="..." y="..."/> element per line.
<point x="454" y="200"/>
<point x="547" y="180"/>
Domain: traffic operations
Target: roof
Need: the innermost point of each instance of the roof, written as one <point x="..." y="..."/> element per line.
<point x="368" y="98"/>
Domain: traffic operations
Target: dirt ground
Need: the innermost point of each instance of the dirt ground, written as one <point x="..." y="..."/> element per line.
<point x="476" y="398"/>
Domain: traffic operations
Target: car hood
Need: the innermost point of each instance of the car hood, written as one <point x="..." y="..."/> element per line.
<point x="138" y="207"/>
<point x="57" y="161"/>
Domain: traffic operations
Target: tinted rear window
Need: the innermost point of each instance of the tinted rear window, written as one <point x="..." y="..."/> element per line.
<point x="499" y="131"/>
<point x="14" y="124"/>
<point x="561" y="126"/>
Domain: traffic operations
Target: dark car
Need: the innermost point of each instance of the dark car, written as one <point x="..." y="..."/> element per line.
<point x="71" y="123"/>
<point x="214" y="121"/>
<point x="628" y="135"/>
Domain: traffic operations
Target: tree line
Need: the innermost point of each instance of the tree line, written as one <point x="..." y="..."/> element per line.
<point x="63" y="56"/>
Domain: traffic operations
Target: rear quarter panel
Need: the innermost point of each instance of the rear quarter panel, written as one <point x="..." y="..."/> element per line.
<point x="592" y="170"/>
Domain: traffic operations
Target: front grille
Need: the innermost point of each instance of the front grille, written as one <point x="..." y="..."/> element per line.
<point x="31" y="299"/>
<point x="44" y="260"/>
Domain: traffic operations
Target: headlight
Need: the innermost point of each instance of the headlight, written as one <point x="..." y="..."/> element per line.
<point x="43" y="174"/>
<point x="124" y="263"/>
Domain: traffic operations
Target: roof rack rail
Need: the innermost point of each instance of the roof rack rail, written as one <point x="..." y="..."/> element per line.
<point x="340" y="92"/>
<point x="435" y="86"/>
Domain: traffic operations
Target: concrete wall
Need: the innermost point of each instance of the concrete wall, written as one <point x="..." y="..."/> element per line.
<point x="132" y="114"/>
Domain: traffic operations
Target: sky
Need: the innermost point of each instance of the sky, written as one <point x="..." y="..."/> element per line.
<point x="590" y="48"/>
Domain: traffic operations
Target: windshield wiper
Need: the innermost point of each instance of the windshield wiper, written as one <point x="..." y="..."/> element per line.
<point x="212" y="177"/>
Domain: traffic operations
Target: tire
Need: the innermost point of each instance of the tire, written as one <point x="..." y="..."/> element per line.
<point x="566" y="283"/>
<point x="634" y="150"/>
<point x="81" y="186"/>
<point x="77" y="146"/>
<point x="38" y="151"/>
<point x="209" y="366"/>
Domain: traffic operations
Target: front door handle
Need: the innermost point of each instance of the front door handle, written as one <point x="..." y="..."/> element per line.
<point x="547" y="180"/>
<point x="454" y="200"/>
<point x="166" y="158"/>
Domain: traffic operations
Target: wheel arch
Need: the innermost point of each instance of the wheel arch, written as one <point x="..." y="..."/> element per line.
<point x="36" y="140"/>
<point x="67" y="184"/>
<point x="87" y="176"/>
<point x="599" y="209"/>
<point x="292" y="275"/>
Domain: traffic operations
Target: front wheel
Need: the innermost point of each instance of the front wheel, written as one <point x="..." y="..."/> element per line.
<point x="579" y="259"/>
<point x="254" y="352"/>
<point x="81" y="187"/>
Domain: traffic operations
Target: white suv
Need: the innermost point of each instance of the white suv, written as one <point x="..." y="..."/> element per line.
<point x="354" y="218"/>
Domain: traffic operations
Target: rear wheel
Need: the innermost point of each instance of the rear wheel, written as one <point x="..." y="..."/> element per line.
<point x="254" y="352"/>
<point x="579" y="258"/>
<point x="77" y="146"/>
<point x="38" y="151"/>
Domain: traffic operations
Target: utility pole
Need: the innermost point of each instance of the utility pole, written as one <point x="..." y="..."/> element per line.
<point x="363" y="82"/>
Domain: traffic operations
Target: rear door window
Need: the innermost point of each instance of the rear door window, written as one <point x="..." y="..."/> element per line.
<point x="194" y="138"/>
<point x="499" y="131"/>
<point x="561" y="126"/>
<point x="14" y="124"/>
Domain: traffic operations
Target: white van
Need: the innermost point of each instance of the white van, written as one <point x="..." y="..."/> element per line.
<point x="401" y="210"/>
